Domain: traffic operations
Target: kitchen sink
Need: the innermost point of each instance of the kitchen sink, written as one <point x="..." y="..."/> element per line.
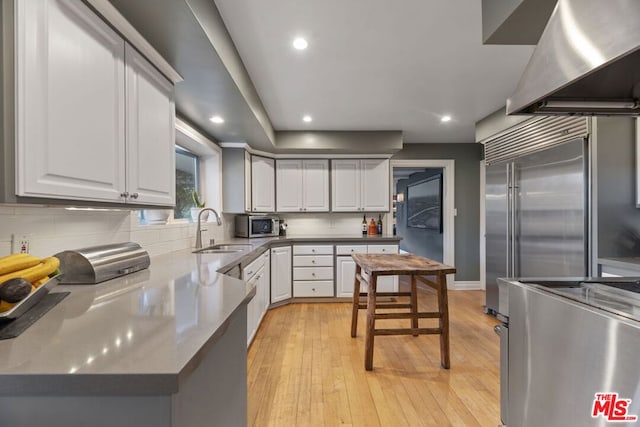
<point x="228" y="248"/>
<point x="231" y="246"/>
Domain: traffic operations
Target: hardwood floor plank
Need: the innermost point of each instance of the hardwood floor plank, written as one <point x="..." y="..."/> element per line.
<point x="305" y="369"/>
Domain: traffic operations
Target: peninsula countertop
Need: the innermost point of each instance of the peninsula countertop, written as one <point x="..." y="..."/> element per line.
<point x="142" y="333"/>
<point x="138" y="334"/>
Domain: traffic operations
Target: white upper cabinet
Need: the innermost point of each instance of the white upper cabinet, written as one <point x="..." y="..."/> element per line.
<point x="315" y="182"/>
<point x="70" y="103"/>
<point x="375" y="184"/>
<point x="150" y="133"/>
<point x="289" y="185"/>
<point x="302" y="185"/>
<point x="360" y="185"/>
<point x="262" y="184"/>
<point x="345" y="185"/>
<point x="93" y="122"/>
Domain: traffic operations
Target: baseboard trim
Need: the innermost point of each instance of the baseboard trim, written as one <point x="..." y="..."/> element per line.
<point x="468" y="285"/>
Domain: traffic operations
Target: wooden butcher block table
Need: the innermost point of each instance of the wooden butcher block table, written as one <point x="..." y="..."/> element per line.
<point x="369" y="267"/>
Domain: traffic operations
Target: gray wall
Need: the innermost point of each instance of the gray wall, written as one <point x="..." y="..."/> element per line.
<point x="467" y="158"/>
<point x="618" y="218"/>
<point x="423" y="242"/>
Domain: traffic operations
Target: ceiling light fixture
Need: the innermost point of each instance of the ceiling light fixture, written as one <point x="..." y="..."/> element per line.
<point x="445" y="119"/>
<point x="307" y="119"/>
<point x="217" y="120"/>
<point x="300" y="43"/>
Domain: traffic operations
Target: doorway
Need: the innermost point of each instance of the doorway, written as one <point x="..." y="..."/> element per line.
<point x="418" y="211"/>
<point x="447" y="207"/>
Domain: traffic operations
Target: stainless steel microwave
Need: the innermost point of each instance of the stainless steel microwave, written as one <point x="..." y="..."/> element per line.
<point x="257" y="225"/>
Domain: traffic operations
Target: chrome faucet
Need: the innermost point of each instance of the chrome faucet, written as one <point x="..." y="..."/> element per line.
<point x="199" y="232"/>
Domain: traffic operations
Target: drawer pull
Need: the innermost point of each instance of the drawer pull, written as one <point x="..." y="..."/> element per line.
<point x="313" y="250"/>
<point x="313" y="289"/>
<point x="313" y="274"/>
<point x="313" y="261"/>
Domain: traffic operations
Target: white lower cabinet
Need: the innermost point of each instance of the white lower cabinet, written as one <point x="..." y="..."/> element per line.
<point x="280" y="274"/>
<point x="346" y="268"/>
<point x="257" y="274"/>
<point x="313" y="271"/>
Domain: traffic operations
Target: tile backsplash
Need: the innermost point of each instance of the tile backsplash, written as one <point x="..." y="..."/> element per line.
<point x="332" y="224"/>
<point x="54" y="229"/>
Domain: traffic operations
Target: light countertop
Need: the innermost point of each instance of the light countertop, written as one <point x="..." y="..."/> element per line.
<point x="141" y="333"/>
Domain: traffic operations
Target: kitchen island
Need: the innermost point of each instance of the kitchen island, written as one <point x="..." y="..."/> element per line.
<point x="160" y="347"/>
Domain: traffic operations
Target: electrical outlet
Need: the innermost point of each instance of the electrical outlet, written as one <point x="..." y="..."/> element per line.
<point x="20" y="244"/>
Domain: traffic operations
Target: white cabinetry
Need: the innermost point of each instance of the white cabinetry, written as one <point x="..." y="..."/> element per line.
<point x="257" y="274"/>
<point x="150" y="134"/>
<point x="346" y="268"/>
<point x="92" y="122"/>
<point x="360" y="185"/>
<point x="263" y="190"/>
<point x="280" y="274"/>
<point x="302" y="185"/>
<point x="312" y="271"/>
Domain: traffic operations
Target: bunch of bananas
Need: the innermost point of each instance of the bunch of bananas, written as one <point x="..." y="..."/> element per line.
<point x="21" y="274"/>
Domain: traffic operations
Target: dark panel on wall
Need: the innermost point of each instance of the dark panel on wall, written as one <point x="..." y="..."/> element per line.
<point x="467" y="199"/>
<point x="423" y="242"/>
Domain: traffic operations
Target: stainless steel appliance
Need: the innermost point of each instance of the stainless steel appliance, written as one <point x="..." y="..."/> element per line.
<point x="96" y="264"/>
<point x="536" y="217"/>
<point x="580" y="68"/>
<point x="257" y="225"/>
<point x="569" y="341"/>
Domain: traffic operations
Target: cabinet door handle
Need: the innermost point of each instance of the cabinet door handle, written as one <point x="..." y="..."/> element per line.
<point x="300" y="209"/>
<point x="313" y="261"/>
<point x="313" y="289"/>
<point x="134" y="196"/>
<point x="313" y="274"/>
<point x="125" y="194"/>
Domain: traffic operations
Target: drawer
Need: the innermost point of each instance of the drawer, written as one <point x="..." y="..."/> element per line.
<point x="312" y="250"/>
<point x="313" y="261"/>
<point x="313" y="273"/>
<point x="253" y="267"/>
<point x="351" y="249"/>
<point x="313" y="289"/>
<point x="382" y="249"/>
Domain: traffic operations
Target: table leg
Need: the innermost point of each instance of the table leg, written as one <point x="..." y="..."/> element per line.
<point x="371" y="322"/>
<point x="356" y="301"/>
<point x="443" y="307"/>
<point x="414" y="304"/>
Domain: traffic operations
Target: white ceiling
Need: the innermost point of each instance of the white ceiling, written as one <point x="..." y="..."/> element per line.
<point x="374" y="64"/>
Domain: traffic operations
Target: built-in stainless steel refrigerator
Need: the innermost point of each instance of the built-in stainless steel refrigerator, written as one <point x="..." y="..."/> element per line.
<point x="536" y="216"/>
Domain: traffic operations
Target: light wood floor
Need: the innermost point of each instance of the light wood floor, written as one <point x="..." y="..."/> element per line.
<point x="306" y="370"/>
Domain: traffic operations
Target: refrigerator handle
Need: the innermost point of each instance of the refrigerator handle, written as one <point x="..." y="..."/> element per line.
<point x="509" y="233"/>
<point x="515" y="270"/>
<point x="514" y="232"/>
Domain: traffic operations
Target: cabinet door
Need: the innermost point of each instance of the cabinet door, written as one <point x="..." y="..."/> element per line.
<point x="375" y="185"/>
<point x="71" y="107"/>
<point x="385" y="283"/>
<point x="247" y="182"/>
<point x="289" y="186"/>
<point x="150" y="133"/>
<point x="315" y="177"/>
<point x="266" y="282"/>
<point x="262" y="184"/>
<point x="345" y="185"/>
<point x="280" y="274"/>
<point x="346" y="272"/>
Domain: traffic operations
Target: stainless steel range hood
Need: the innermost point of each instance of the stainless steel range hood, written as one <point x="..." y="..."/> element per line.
<point x="587" y="62"/>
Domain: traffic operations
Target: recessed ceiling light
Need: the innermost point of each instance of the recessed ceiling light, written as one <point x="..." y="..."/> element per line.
<point x="307" y="119"/>
<point x="217" y="120"/>
<point x="300" y="43"/>
<point x="445" y="119"/>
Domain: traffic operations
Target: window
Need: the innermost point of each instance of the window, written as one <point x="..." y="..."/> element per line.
<point x="187" y="181"/>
